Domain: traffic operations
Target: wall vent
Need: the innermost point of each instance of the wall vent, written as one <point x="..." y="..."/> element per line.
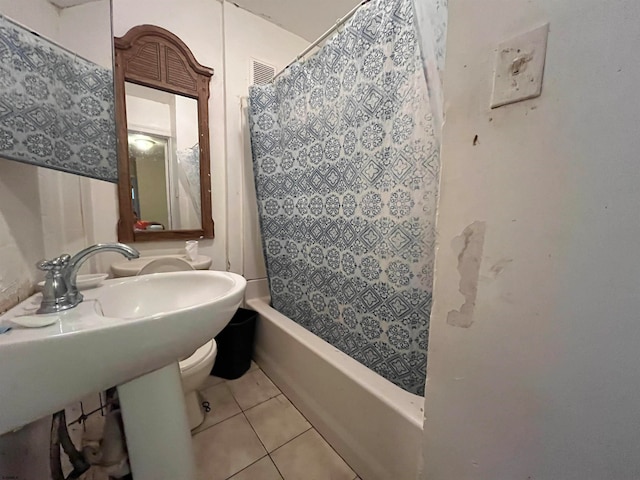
<point x="261" y="72"/>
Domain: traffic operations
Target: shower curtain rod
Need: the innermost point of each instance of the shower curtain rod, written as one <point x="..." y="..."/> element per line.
<point x="337" y="25"/>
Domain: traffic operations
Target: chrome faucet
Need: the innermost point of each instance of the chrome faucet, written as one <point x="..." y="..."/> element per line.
<point x="60" y="291"/>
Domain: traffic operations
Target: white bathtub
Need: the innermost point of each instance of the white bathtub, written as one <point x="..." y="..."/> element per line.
<point x="373" y="424"/>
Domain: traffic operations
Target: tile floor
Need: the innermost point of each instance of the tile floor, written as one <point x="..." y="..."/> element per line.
<point x="253" y="432"/>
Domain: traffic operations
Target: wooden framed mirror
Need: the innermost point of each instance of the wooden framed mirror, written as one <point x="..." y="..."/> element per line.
<point x="162" y="116"/>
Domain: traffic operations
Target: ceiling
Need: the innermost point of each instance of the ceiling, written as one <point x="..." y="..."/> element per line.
<point x="306" y="18"/>
<point x="69" y="3"/>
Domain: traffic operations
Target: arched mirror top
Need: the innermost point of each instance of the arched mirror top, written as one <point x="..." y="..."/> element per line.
<point x="156" y="57"/>
<point x="162" y="160"/>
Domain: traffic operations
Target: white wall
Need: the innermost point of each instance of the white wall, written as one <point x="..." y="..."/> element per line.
<point x="186" y="122"/>
<point x="247" y="36"/>
<point x="21" y="236"/>
<point x="544" y="382"/>
<point x="186" y="137"/>
<point x="149" y="110"/>
<point x="37" y="15"/>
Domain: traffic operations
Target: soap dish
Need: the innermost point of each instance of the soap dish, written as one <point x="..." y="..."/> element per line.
<point x="35" y="321"/>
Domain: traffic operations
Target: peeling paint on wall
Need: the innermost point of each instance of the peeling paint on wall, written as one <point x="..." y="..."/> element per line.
<point x="499" y="267"/>
<point x="13" y="294"/>
<point x="469" y="247"/>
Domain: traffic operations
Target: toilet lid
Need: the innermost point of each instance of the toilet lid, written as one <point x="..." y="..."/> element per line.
<point x="200" y="355"/>
<point x="166" y="264"/>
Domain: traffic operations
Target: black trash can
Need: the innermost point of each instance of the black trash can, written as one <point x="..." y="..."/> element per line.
<point x="235" y="345"/>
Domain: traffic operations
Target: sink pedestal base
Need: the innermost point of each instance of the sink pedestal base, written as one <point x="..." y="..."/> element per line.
<point x="156" y="426"/>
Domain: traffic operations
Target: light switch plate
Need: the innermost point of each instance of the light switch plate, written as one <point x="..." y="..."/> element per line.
<point x="519" y="67"/>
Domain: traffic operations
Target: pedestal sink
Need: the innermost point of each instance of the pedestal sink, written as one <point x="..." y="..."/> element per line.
<point x="131" y="333"/>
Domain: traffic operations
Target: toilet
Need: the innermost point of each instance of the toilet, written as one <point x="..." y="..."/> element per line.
<point x="195" y="368"/>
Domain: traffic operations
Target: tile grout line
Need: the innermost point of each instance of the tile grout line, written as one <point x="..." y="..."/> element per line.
<point x="225" y="382"/>
<point x="264" y="401"/>
<point x="256" y="433"/>
<point x="336" y="452"/>
<point x="264" y="446"/>
<point x="312" y="427"/>
<point x="260" y="440"/>
<point x="215" y="424"/>
<point x="292" y="439"/>
<point x="280" y="392"/>
<point x="276" y="465"/>
<point x="293" y="404"/>
<point x="259" y="403"/>
<point x="268" y="454"/>
<point x="219" y="421"/>
<point x="243" y="469"/>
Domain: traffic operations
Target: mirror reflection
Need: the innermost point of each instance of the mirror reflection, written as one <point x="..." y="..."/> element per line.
<point x="164" y="164"/>
<point x="162" y="108"/>
<point x="56" y="107"/>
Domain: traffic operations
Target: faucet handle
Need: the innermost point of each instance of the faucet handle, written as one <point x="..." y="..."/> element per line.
<point x="55" y="265"/>
<point x="55" y="290"/>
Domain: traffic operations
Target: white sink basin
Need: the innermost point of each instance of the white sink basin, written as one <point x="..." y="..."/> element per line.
<point x="130" y="268"/>
<point x="124" y="329"/>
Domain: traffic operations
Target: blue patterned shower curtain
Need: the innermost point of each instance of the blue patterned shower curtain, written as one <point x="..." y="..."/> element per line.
<point x="346" y="168"/>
